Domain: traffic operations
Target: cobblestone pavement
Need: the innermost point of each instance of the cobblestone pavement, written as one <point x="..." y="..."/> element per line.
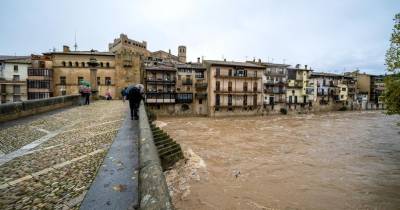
<point x="55" y="157"/>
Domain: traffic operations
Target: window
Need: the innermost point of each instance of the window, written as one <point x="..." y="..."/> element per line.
<point x="76" y="64"/>
<point x="245" y="86"/>
<point x="244" y="100"/>
<point x="230" y="72"/>
<point x="229" y="86"/>
<point x="108" y="81"/>
<point x="98" y="80"/>
<point x="63" y="92"/>
<point x="16" y="98"/>
<point x="62" y="81"/>
<point x="343" y="89"/>
<point x="217" y="85"/>
<point x="83" y="64"/>
<point x="17" y="89"/>
<point x="80" y="79"/>
<point x="15" y="68"/>
<point x="217" y="72"/>
<point x="200" y="101"/>
<point x="199" y="74"/>
<point x="108" y="64"/>
<point x="255" y="100"/>
<point x="217" y="100"/>
<point x="70" y="64"/>
<point x="229" y="100"/>
<point x="255" y="87"/>
<point x="188" y="88"/>
<point x="101" y="64"/>
<point x="179" y="77"/>
<point x="16" y="77"/>
<point x="42" y="64"/>
<point x="63" y="63"/>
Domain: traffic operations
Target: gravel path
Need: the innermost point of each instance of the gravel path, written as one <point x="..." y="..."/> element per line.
<point x="55" y="173"/>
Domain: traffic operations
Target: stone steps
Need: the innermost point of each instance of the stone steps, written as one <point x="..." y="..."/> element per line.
<point x="168" y="150"/>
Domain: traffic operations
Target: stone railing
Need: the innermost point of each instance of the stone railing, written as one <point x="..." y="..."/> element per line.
<point x="11" y="111"/>
<point x="153" y="189"/>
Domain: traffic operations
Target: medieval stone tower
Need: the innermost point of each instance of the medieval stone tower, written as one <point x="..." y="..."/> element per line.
<point x="182" y="54"/>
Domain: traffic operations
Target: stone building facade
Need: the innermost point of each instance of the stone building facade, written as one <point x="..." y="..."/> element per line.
<point x="235" y="88"/>
<point x="160" y="87"/>
<point x="191" y="89"/>
<point x="13" y="76"/>
<point x="298" y="94"/>
<point x="274" y="80"/>
<point x="40" y="77"/>
<point x="71" y="67"/>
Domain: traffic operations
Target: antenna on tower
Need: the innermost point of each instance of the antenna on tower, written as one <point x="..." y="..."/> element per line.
<point x="75" y="45"/>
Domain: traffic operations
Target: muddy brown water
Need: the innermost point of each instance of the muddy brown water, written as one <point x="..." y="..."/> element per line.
<point x="347" y="160"/>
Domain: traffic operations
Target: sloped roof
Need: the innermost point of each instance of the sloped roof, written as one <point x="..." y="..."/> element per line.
<point x="15" y="59"/>
<point x="233" y="63"/>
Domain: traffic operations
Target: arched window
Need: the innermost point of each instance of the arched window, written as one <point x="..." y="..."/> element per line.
<point x="70" y="64"/>
<point x="108" y="64"/>
<point x="83" y="64"/>
<point x="63" y="63"/>
<point x="76" y="64"/>
<point x="101" y="64"/>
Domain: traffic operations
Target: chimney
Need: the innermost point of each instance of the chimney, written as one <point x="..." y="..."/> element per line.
<point x="198" y="60"/>
<point x="169" y="51"/>
<point x="65" y="48"/>
<point x="305" y="66"/>
<point x="259" y="60"/>
<point x="224" y="59"/>
<point x="254" y="59"/>
<point x="297" y="66"/>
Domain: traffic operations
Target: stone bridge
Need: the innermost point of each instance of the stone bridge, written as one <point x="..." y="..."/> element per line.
<point x="80" y="157"/>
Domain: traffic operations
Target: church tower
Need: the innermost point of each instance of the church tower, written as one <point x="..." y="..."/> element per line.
<point x="182" y="54"/>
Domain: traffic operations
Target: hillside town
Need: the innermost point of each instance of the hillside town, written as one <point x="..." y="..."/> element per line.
<point x="175" y="86"/>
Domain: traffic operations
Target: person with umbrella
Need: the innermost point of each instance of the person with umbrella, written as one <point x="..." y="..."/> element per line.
<point x="134" y="94"/>
<point x="85" y="91"/>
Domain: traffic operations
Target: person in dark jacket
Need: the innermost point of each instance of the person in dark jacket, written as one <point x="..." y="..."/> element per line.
<point x="134" y="95"/>
<point x="123" y="94"/>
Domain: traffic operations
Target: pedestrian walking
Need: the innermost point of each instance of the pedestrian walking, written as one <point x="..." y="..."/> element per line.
<point x="123" y="94"/>
<point x="134" y="95"/>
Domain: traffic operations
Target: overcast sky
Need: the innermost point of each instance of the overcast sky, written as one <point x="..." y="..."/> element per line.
<point x="327" y="35"/>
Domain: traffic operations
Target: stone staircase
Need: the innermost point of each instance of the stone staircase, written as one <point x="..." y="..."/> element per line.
<point x="168" y="150"/>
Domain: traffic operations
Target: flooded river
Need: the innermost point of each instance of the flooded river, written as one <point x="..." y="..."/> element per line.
<point x="347" y="160"/>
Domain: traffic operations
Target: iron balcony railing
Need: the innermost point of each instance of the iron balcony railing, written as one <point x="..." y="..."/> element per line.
<point x="160" y="81"/>
<point x="187" y="82"/>
<point x="202" y="85"/>
<point x="201" y="95"/>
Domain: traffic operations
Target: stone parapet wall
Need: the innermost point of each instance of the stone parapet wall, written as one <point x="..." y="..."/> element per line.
<point x="153" y="189"/>
<point x="11" y="111"/>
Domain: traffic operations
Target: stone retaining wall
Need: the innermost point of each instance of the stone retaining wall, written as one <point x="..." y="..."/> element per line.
<point x="153" y="189"/>
<point x="11" y="111"/>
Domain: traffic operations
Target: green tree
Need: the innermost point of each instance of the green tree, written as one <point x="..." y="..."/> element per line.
<point x="392" y="82"/>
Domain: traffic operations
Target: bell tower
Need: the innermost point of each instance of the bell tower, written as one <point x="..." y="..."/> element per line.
<point x="182" y="54"/>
